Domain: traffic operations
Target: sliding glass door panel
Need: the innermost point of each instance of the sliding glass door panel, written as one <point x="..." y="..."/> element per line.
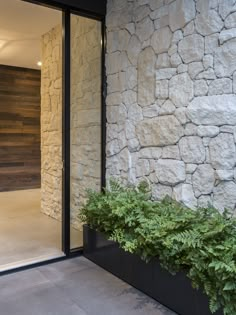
<point x="85" y="143"/>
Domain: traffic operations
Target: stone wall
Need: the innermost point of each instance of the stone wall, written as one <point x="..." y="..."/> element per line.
<point x="171" y="104"/>
<point x="85" y="111"/>
<point x="51" y="123"/>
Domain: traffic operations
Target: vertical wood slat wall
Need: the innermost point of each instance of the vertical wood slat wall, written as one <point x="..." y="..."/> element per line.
<point x="20" y="157"/>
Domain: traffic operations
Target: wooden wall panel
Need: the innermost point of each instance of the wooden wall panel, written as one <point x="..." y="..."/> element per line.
<point x="20" y="157"/>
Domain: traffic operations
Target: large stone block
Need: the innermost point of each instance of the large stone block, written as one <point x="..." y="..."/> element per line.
<point x="191" y="48"/>
<point x="225" y="59"/>
<point x="224" y="196"/>
<point x="184" y="193"/>
<point x="162" y="89"/>
<point x="230" y="21"/>
<point x="227" y="35"/>
<point x="146" y="77"/>
<point x="203" y="180"/>
<point x="222" y="151"/>
<point x="225" y="7"/>
<point x="213" y="110"/>
<point x="192" y="150"/>
<point x="207" y="24"/>
<point x="181" y="90"/>
<point x="134" y="48"/>
<point x="220" y="87"/>
<point x="145" y="29"/>
<point x="170" y="172"/>
<point x="161" y="40"/>
<point x="208" y="131"/>
<point x="180" y="13"/>
<point x="160" y="131"/>
<point x="161" y="191"/>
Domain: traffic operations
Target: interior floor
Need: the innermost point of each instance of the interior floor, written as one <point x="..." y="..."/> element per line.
<point x="26" y="234"/>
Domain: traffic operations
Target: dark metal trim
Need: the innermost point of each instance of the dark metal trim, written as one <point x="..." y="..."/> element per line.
<point x="67" y="10"/>
<point x="103" y="111"/>
<point x="41" y="263"/>
<point x="66" y="134"/>
<point x="77" y="10"/>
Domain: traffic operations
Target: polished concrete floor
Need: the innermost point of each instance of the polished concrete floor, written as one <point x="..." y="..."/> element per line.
<point x="26" y="235"/>
<point x="72" y="287"/>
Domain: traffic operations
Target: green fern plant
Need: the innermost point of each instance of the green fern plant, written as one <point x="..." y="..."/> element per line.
<point x="202" y="242"/>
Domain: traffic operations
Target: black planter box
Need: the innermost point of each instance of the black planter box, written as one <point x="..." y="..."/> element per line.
<point x="175" y="292"/>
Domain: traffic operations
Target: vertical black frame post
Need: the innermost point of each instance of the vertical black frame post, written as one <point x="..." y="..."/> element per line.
<point x="103" y="109"/>
<point x="66" y="134"/>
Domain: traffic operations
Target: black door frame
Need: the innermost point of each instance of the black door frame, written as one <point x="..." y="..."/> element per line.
<point x="67" y="10"/>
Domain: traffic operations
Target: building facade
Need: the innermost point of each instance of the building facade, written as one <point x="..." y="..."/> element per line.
<point x="171" y="104"/>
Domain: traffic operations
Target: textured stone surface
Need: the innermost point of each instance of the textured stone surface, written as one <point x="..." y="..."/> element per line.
<point x="170" y="172"/>
<point x="227" y="35"/>
<point x="144" y="29"/>
<point x="186" y="88"/>
<point x="230" y="21"/>
<point x="195" y="68"/>
<point x="224" y="196"/>
<point x="222" y="151"/>
<point x="200" y="88"/>
<point x="203" y="180"/>
<point x="181" y="90"/>
<point x="213" y="110"/>
<point x="220" y="86"/>
<point x="191" y="48"/>
<point x="161" y="191"/>
<point x="167" y="108"/>
<point x="190" y="168"/>
<point x="163" y="61"/>
<point x="211" y="43"/>
<point x="150" y="153"/>
<point x="160" y="131"/>
<point x="151" y="111"/>
<point x="208" y="61"/>
<point x="161" y="40"/>
<point x="142" y="168"/>
<point x="209" y="24"/>
<point x="134" y="48"/>
<point x="175" y="60"/>
<point x="180" y="13"/>
<point x="208" y="74"/>
<point x="204" y="201"/>
<point x="171" y="152"/>
<point x="192" y="149"/>
<point x="51" y="122"/>
<point x="177" y="36"/>
<point x="225" y="7"/>
<point x="190" y="130"/>
<point x="184" y="193"/>
<point x="166" y="73"/>
<point x="208" y="131"/>
<point x="86" y="111"/>
<point x="225" y="59"/>
<point x="224" y="175"/>
<point x="146" y="77"/>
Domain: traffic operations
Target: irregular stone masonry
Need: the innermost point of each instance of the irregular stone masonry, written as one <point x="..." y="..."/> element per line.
<point x="85" y="116"/>
<point x="85" y="112"/>
<point x="171" y="103"/>
<point x="51" y="123"/>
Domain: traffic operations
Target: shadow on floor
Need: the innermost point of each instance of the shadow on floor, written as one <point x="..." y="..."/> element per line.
<point x="73" y="287"/>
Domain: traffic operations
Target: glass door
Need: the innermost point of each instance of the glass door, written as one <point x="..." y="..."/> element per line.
<point x="85" y="117"/>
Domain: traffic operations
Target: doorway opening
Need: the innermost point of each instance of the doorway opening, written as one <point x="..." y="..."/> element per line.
<point x="52" y="128"/>
<point x="30" y="133"/>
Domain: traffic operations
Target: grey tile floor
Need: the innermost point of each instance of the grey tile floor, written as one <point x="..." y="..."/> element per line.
<point x="72" y="287"/>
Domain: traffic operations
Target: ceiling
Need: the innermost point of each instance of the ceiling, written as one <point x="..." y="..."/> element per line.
<point x="21" y="26"/>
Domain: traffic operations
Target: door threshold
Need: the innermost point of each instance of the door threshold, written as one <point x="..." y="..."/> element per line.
<point x="26" y="263"/>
